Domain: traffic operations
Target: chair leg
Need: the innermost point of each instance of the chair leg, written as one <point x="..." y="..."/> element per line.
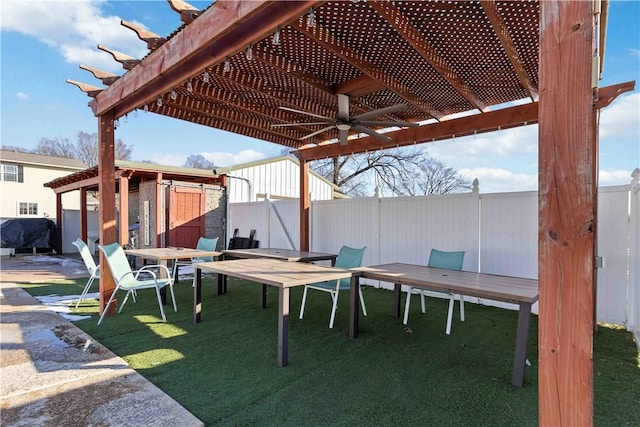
<point x="334" y="296"/>
<point x="164" y="318"/>
<point x="452" y="300"/>
<point x="364" y="309"/>
<point x="174" y="272"/>
<point x="173" y="298"/>
<point x="124" y="301"/>
<point x="406" y="307"/>
<point x="304" y="300"/>
<point x="86" y="289"/>
<point x="461" y="308"/>
<point x="422" y="302"/>
<point x="106" y="307"/>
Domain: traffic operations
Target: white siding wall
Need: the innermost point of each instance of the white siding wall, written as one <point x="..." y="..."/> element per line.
<point x="33" y="190"/>
<point x="498" y="232"/>
<point x="278" y="179"/>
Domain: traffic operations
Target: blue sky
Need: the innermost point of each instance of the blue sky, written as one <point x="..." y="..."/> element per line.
<point x="43" y="43"/>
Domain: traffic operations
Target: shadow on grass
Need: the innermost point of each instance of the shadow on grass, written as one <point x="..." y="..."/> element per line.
<point x="224" y="371"/>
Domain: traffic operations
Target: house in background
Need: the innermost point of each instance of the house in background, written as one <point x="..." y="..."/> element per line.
<point x="275" y="178"/>
<point x="21" y="184"/>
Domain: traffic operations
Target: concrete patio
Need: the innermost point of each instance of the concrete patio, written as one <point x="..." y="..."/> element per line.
<point x="55" y="374"/>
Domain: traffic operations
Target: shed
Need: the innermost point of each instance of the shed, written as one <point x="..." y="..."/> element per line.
<point x="274" y="178"/>
<point x="171" y="205"/>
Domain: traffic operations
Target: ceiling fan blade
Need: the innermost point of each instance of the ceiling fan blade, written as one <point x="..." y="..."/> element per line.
<point x="307" y="113"/>
<point x="343" y="107"/>
<point x="343" y="136"/>
<point x="371" y="132"/>
<point x="382" y="123"/>
<point x="380" y="112"/>
<point x="317" y="132"/>
<point x="281" y="125"/>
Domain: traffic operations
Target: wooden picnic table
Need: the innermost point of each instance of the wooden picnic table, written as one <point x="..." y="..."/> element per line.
<point x="517" y="290"/>
<point x="273" y="272"/>
<point x="290" y="255"/>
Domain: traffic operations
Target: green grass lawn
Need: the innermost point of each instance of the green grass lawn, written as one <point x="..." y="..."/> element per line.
<point x="224" y="370"/>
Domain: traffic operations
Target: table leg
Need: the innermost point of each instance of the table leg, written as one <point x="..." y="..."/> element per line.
<point x="354" y="309"/>
<point x="161" y="275"/>
<point x="197" y="297"/>
<point x="522" y="336"/>
<point x="397" y="296"/>
<point x="222" y="284"/>
<point x="263" y="296"/>
<point x="283" y="327"/>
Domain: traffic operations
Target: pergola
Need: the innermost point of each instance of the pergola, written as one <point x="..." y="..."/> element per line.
<point x="500" y="64"/>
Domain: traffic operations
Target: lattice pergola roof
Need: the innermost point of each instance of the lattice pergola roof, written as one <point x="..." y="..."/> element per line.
<point x="436" y="57"/>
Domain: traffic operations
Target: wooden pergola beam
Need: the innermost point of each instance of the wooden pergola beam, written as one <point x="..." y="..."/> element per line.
<point x="491" y="10"/>
<point x="106" y="78"/>
<point x="153" y="40"/>
<point x="90" y="90"/>
<point x="329" y="42"/>
<point x="208" y="40"/>
<point x="186" y="11"/>
<point x="468" y="125"/>
<point x="416" y="40"/>
<point x="128" y="62"/>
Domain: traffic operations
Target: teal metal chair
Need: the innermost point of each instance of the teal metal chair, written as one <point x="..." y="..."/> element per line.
<point x="204" y="244"/>
<point x="445" y="260"/>
<point x="94" y="270"/>
<point x="347" y="258"/>
<point x="132" y="281"/>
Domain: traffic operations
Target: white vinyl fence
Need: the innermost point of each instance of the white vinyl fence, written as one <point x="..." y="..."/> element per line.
<point x="498" y="232"/>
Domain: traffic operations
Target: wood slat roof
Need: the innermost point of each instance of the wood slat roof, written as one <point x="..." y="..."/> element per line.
<point x="437" y="57"/>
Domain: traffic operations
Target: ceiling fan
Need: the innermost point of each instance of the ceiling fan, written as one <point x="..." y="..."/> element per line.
<point x="345" y="123"/>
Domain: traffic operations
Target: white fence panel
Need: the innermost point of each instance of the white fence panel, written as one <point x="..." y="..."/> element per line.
<point x="509" y="234"/>
<point x="411" y="226"/>
<point x="71" y="228"/>
<point x="613" y="220"/>
<point x="348" y="222"/>
<point x="284" y="224"/>
<point x="498" y="232"/>
<point x="246" y="217"/>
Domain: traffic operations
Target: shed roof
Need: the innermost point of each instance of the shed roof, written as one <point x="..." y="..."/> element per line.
<point x="136" y="171"/>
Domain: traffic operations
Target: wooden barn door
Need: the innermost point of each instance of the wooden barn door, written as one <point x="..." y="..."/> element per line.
<point x="186" y="216"/>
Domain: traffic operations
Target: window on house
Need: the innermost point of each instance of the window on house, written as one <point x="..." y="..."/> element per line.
<point x="27" y="208"/>
<point x="10" y="173"/>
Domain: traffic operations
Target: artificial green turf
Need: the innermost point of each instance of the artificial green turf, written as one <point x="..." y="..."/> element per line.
<point x="224" y="370"/>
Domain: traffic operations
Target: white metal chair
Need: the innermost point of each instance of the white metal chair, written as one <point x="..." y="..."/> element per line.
<point x="347" y="258"/>
<point x="204" y="244"/>
<point x="94" y="270"/>
<point x="446" y="260"/>
<point x="131" y="281"/>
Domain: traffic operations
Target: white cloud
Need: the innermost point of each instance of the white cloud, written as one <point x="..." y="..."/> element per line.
<point x="494" y="180"/>
<point x="613" y="177"/>
<point x="218" y="158"/>
<point x="74" y="28"/>
<point x="232" y="159"/>
<point x="622" y="118"/>
<point x="22" y="96"/>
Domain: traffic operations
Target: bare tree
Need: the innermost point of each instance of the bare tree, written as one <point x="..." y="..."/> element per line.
<point x="86" y="148"/>
<point x="398" y="171"/>
<point x="434" y="177"/>
<point x="58" y="147"/>
<point x="199" y="162"/>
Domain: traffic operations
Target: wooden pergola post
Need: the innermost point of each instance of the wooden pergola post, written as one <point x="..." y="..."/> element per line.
<point x="566" y="213"/>
<point x="304" y="205"/>
<point x="123" y="213"/>
<point x="83" y="214"/>
<point x="160" y="206"/>
<point x="107" y="198"/>
<point x="59" y="222"/>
